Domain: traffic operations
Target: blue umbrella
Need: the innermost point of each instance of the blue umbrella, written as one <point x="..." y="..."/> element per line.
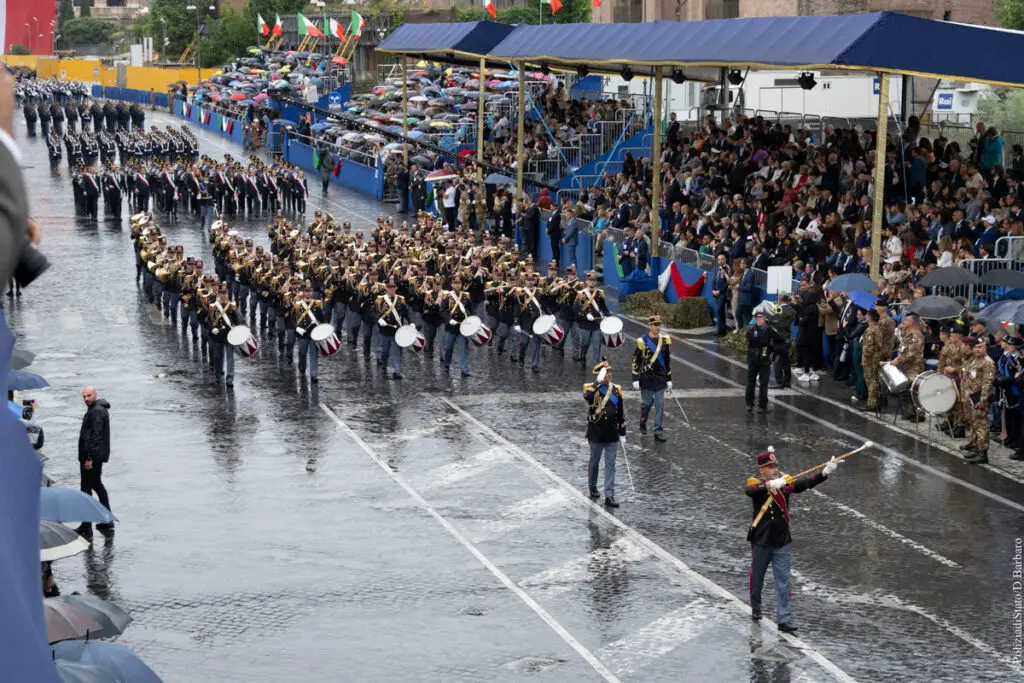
<point x="284" y="122"/>
<point x="71" y="505"/>
<point x="1008" y="310"/>
<point x="865" y="300"/>
<point x="21" y="380"/>
<point x="852" y="282"/>
<point x="499" y="179"/>
<point x="72" y="672"/>
<point x="321" y="126"/>
<point x="113" y="658"/>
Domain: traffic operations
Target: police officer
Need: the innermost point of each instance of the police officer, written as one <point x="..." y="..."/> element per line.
<point x="606" y="427"/>
<point x="652" y="373"/>
<point x="769" y="536"/>
<point x="761" y="340"/>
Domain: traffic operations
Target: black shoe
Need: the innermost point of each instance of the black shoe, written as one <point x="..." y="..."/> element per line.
<point x="755" y="613"/>
<point x="465" y="373"/>
<point x="229" y="382"/>
<point x="610" y="502"/>
<point x="1013" y="444"/>
<point x="315" y="380"/>
<point x="658" y="436"/>
<point x="787" y="628"/>
<point x="84" y="530"/>
<point x="105" y="528"/>
<point x="1018" y="455"/>
<point x="968" y="447"/>
<point x="979" y="458"/>
<point x="535" y="368"/>
<point x="595" y="494"/>
<point x="762" y="409"/>
<point x="396" y="375"/>
<point x="750" y="409"/>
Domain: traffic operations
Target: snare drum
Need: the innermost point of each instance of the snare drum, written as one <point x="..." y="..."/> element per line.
<point x="242" y="340"/>
<point x="407" y="336"/>
<point x="934" y="393"/>
<point x="548" y="329"/>
<point x="326" y="339"/>
<point x="894" y="379"/>
<point x="611" y="332"/>
<point x="475" y="329"/>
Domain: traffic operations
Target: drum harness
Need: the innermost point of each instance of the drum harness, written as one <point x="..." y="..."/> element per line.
<point x="458" y="301"/>
<point x="391" y="308"/>
<point x="309" y="312"/>
<point x="591" y="301"/>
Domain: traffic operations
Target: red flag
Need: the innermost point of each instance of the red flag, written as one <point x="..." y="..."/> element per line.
<point x="337" y="168"/>
<point x="555" y="5"/>
<point x="231" y="126"/>
<point x="597" y="3"/>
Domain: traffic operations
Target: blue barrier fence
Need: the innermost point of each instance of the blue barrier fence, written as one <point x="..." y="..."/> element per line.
<point x="158" y="99"/>
<point x="226" y="127"/>
<point x="353" y="175"/>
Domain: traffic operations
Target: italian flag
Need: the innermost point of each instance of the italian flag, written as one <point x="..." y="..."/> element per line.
<point x="672" y="285"/>
<point x="307" y="27"/>
<point x="262" y="25"/>
<point x="355" y="27"/>
<point x="555" y="4"/>
<point x="336" y="30"/>
<point x="597" y="3"/>
<point x="489" y="6"/>
<point x="278" y="28"/>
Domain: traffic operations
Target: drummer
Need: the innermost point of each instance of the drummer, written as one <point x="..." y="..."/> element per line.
<point x="652" y="373"/>
<point x="910" y="358"/>
<point x="307" y="313"/>
<point x="455" y="308"/>
<point x="223" y="316"/>
<point x="392" y="312"/>
<point x="590" y="308"/>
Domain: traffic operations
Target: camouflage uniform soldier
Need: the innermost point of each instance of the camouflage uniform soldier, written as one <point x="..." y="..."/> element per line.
<point x="872" y="355"/>
<point x="952" y="358"/>
<point x="910" y="358"/>
<point x="888" y="326"/>
<point x="975" y="387"/>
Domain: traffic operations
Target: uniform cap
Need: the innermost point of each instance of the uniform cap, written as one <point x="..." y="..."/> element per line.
<point x="604" y="364"/>
<point x="767" y="458"/>
<point x="654" y="319"/>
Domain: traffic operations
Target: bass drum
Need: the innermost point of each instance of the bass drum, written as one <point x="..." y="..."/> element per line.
<point x="894" y="379"/>
<point x="934" y="393"/>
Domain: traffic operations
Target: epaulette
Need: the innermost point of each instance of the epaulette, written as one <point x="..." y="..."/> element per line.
<point x="668" y="339"/>
<point x="640" y="343"/>
<point x="588" y="385"/>
<point x="753" y="481"/>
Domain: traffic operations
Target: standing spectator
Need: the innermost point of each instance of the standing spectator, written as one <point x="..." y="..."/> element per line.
<point x="991" y="147"/>
<point x="402" y="185"/>
<point x="93" y="452"/>
<point x="531" y="226"/>
<point x="448" y="199"/>
<point x="554" y="229"/>
<point x="571" y="236"/>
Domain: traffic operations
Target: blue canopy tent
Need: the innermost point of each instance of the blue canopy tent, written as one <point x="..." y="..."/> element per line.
<point x="459" y="43"/>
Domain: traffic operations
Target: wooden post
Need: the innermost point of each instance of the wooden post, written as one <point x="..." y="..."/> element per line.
<point x="405" y="110"/>
<point x="480" y="122"/>
<point x="656" y="166"/>
<point x="877" y="208"/>
<point x="521" y="124"/>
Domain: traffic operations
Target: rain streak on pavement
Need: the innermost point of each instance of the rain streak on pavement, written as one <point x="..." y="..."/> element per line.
<point x="436" y="528"/>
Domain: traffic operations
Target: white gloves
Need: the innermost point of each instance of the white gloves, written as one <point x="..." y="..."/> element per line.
<point x="830" y="467"/>
<point x="776" y="484"/>
<point x="636" y="385"/>
<point x="601" y="375"/>
<point x="301" y="331"/>
<point x="590" y="317"/>
<point x="622" y="440"/>
<point x="380" y="321"/>
<point x="453" y="322"/>
<point x="517" y="329"/>
<point x="215" y="330"/>
<point x="669" y="384"/>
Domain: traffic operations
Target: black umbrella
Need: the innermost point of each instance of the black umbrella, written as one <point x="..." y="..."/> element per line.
<point x="1003" y="277"/>
<point x="936" y="307"/>
<point x="100" y="618"/>
<point x="57" y="541"/>
<point x="952" y="276"/>
<point x="21" y="359"/>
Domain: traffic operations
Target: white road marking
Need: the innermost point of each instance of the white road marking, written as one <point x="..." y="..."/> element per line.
<point x="853" y="435"/>
<point x="878" y="526"/>
<point x="587" y="655"/>
<point x="889" y="601"/>
<point x="453" y="473"/>
<point x="699" y="346"/>
<point x="518" y="514"/>
<point x="652" y="547"/>
<point x="580" y="570"/>
<point x="661" y="636"/>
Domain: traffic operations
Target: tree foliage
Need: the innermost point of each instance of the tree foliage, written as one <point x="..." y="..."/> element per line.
<point x="85" y="8"/>
<point x="19" y="49"/>
<point x="87" y="31"/>
<point x="65" y="13"/>
<point x="229" y="38"/>
<point x="181" y="23"/>
<point x="268" y="8"/>
<point x="572" y="12"/>
<point x="1010" y="14"/>
<point x="1005" y="112"/>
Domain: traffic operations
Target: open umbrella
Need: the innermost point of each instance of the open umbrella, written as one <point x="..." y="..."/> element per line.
<point x="1007" y="310"/>
<point x="57" y="541"/>
<point x="73" y="672"/>
<point x="951" y="276"/>
<point x="865" y="300"/>
<point x="936" y="307"/>
<point x="22" y="380"/>
<point x="71" y="505"/>
<point x="21" y="359"/>
<point x="851" y="282"/>
<point x="237" y="97"/>
<point x="499" y="179"/>
<point x="105" y="619"/>
<point x="64" y="622"/>
<point x="441" y="175"/>
<point x="113" y="658"/>
<point x="998" y="277"/>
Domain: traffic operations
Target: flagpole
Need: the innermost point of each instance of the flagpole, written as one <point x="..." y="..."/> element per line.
<point x="405" y="116"/>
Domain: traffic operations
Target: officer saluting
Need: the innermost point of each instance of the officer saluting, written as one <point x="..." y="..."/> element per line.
<point x="761" y="339"/>
<point x="652" y="373"/>
<point x="769" y="537"/>
<point x="606" y="426"/>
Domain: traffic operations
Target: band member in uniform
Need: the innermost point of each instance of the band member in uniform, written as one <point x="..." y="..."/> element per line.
<point x="455" y="307"/>
<point x="223" y="316"/>
<point x="975" y="387"/>
<point x="308" y="313"/>
<point x="769" y="537"/>
<point x="910" y="358"/>
<point x="606" y="427"/>
<point x="652" y="373"/>
<point x="590" y="308"/>
<point x="761" y="339"/>
<point x="392" y="313"/>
